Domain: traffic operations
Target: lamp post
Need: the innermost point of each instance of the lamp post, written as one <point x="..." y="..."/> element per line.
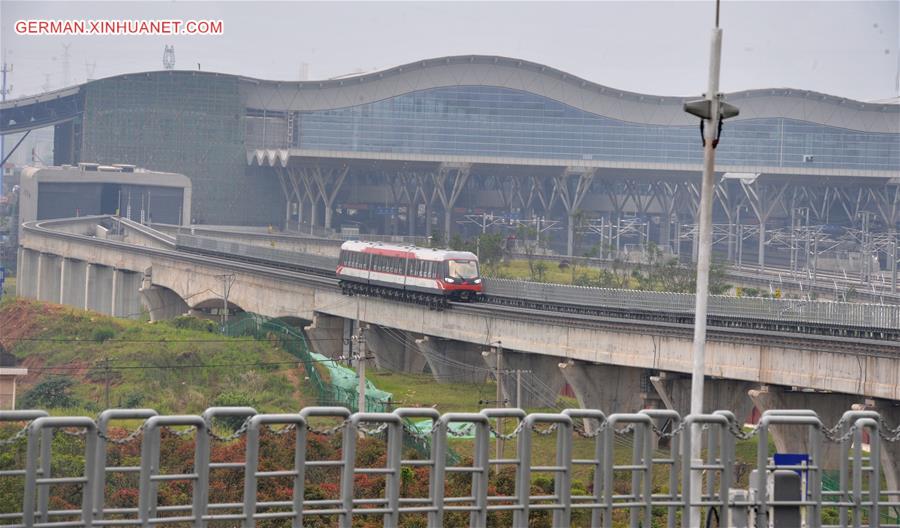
<point x="712" y="111"/>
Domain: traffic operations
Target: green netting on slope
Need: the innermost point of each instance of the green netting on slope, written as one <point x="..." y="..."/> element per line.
<point x="334" y="384"/>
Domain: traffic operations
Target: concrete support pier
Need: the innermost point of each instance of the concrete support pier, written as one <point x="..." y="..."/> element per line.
<point x="161" y="303"/>
<point x="27" y="273"/>
<point x="829" y="407"/>
<point x="719" y="394"/>
<point x="541" y="378"/>
<point x="394" y="349"/>
<point x="48" y="277"/>
<point x="453" y="361"/>
<point x="126" y="298"/>
<point x="98" y="288"/>
<point x="329" y="335"/>
<point x="71" y="282"/>
<point x="607" y="388"/>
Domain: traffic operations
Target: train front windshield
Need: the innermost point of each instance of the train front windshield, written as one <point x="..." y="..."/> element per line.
<point x="463" y="269"/>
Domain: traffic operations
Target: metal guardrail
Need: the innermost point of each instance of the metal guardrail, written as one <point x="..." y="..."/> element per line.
<point x="818" y="312"/>
<point x="859" y="501"/>
<point x="314" y="263"/>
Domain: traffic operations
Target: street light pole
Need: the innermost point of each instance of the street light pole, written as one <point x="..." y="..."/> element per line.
<point x="712" y="111"/>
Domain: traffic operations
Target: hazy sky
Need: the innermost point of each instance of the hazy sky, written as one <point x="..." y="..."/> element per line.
<point x="843" y="48"/>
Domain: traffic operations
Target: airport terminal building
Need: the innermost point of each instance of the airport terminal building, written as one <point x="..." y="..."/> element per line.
<point x="447" y="138"/>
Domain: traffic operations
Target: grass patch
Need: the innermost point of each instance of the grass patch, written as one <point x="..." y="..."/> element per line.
<point x="172" y="367"/>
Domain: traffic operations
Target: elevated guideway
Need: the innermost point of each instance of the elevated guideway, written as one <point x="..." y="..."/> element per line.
<point x="621" y="357"/>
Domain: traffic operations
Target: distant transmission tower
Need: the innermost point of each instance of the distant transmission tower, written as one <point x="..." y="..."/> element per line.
<point x="169" y="58"/>
<point x="4" y="91"/>
<point x="66" y="64"/>
<point x="89" y="68"/>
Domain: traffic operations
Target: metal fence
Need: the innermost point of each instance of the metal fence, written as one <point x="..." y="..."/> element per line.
<point x="819" y="312"/>
<point x="642" y="487"/>
<point x="873" y="316"/>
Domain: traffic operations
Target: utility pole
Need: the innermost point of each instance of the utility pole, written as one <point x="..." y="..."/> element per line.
<point x="500" y="403"/>
<point x="361" y="366"/>
<point x="106" y="369"/>
<point x="4" y="90"/>
<point x="712" y="110"/>
<point x="227" y="283"/>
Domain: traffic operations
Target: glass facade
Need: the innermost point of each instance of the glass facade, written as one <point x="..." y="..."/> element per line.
<point x="492" y="121"/>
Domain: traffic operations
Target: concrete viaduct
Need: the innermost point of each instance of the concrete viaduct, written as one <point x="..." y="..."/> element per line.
<point x="611" y="364"/>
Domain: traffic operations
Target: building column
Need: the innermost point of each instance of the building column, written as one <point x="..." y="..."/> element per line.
<point x="48" y="277"/>
<point x="71" y="283"/>
<point x="829" y="407"/>
<point x="453" y="361"/>
<point x="448" y="190"/>
<point x="572" y="186"/>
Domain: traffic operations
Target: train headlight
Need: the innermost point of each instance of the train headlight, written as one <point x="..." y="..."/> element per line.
<point x="449" y="280"/>
<point x="477" y="281"/>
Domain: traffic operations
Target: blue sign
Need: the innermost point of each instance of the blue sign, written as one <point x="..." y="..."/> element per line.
<point x="386" y="211"/>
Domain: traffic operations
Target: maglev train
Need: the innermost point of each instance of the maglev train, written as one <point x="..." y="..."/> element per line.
<point x="427" y="276"/>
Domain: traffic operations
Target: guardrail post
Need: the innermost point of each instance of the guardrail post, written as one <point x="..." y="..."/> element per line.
<point x="597" y="462"/>
<point x="405" y="413"/>
<point x="20" y="416"/>
<point x="251" y="466"/>
<point x="847" y="422"/>
<point x="674" y="420"/>
<point x="795" y="418"/>
<point x="103" y="428"/>
<point x="479" y="469"/>
<point x="149" y="475"/>
<point x="874" y="471"/>
<point x="341" y="413"/>
<point x="41" y="427"/>
<point x="640" y="459"/>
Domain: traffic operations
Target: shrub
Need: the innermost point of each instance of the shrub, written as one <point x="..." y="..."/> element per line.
<point x="187" y="322"/>
<point x="233" y="399"/>
<point x="51" y="392"/>
<point x="103" y="333"/>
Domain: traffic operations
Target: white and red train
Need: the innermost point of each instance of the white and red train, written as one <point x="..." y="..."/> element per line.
<point x="427" y="276"/>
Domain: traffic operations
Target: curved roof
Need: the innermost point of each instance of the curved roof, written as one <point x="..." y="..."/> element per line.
<point x="517" y="74"/>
